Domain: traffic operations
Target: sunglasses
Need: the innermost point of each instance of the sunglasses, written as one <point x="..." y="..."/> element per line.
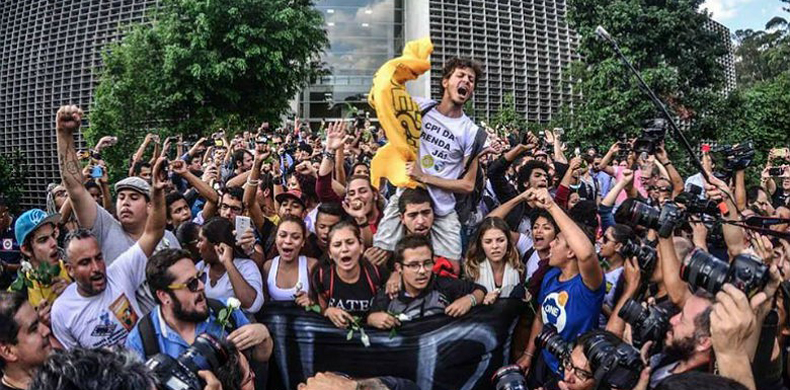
<point x="192" y="284"/>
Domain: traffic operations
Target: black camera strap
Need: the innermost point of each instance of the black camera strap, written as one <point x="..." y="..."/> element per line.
<point x="148" y="334"/>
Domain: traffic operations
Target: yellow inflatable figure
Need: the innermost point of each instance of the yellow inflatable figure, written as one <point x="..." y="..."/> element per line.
<point x="398" y="113"/>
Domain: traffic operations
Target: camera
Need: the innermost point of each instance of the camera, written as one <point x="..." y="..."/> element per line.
<point x="731" y="158"/>
<point x="695" y="205"/>
<point x="664" y="221"/>
<point x="653" y="133"/>
<point x="509" y="378"/>
<point x="747" y="272"/>
<point x="645" y="255"/>
<point x="206" y="353"/>
<point x="553" y="342"/>
<point x="648" y="323"/>
<point x="625" y="146"/>
<point x="616" y="364"/>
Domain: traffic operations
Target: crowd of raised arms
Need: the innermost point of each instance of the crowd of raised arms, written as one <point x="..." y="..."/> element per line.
<point x="631" y="275"/>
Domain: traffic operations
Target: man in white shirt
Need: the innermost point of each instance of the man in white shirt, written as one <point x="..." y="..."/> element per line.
<point x="133" y="202"/>
<point x="100" y="308"/>
<point x="446" y="146"/>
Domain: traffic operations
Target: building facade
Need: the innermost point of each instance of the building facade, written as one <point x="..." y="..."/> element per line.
<point x="48" y="52"/>
<point x="727" y="61"/>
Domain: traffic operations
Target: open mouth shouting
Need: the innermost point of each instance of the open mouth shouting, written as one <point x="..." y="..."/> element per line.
<point x="463" y="90"/>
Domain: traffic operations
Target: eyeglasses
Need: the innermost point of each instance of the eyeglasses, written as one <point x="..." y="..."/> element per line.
<point x="235" y="209"/>
<point x="580" y="373"/>
<point x="660" y="189"/>
<point x="414" y="267"/>
<point x="605" y="239"/>
<point x="192" y="284"/>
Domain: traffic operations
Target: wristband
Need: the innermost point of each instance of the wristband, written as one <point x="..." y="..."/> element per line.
<point x="473" y="299"/>
<point x="329" y="155"/>
<point x="668" y="163"/>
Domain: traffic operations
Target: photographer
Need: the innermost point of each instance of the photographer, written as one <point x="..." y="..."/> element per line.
<point x="24" y="341"/>
<point x="102" y="369"/>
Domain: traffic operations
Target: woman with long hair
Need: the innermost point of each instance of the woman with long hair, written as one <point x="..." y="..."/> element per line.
<point x="492" y="260"/>
<point x="288" y="274"/>
<point x="346" y="287"/>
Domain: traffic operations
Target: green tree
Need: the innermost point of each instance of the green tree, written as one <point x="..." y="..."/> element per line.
<point x="202" y="64"/>
<point x="763" y="54"/>
<point x="12" y="174"/>
<point x="667" y="42"/>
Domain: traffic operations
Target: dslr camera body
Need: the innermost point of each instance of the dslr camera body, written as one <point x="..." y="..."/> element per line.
<point x="703" y="270"/>
<point x="648" y="323"/>
<point x="206" y="353"/>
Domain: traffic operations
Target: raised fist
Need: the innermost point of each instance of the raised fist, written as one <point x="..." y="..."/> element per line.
<point x="68" y="118"/>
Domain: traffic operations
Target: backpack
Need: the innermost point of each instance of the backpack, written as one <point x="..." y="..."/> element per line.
<point x="466" y="204"/>
<point x="371" y="274"/>
<point x="148" y="335"/>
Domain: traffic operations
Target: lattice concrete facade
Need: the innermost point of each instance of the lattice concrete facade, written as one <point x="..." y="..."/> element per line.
<point x="523" y="45"/>
<point x="49" y="51"/>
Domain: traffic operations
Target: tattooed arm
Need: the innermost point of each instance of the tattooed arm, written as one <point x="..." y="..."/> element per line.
<point x="67" y="122"/>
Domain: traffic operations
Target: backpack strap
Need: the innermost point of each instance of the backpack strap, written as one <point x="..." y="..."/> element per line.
<point x="148" y="335"/>
<point x="373" y="285"/>
<point x="331" y="281"/>
<point x="428" y="108"/>
<point x="216" y="306"/>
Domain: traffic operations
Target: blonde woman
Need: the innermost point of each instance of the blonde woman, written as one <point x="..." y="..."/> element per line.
<point x="492" y="260"/>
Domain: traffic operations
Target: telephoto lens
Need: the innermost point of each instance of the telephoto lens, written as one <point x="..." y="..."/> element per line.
<point x="509" y="378"/>
<point x="703" y="270"/>
<point x="553" y="342"/>
<point x="648" y="323"/>
<point x="206" y="353"/>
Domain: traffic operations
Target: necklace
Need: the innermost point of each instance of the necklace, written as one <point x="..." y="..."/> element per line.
<point x="9" y="384"/>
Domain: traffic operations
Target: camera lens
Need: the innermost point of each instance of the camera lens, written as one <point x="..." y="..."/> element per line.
<point x="553" y="342"/>
<point x="633" y="313"/>
<point x="509" y="378"/>
<point x="748" y="274"/>
<point x="644" y="215"/>
<point x="206" y="353"/>
<point x="703" y="270"/>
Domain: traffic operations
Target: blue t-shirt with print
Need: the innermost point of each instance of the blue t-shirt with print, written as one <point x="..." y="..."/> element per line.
<point x="570" y="306"/>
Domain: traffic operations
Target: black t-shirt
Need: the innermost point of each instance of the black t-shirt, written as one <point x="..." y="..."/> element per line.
<point x="780" y="197"/>
<point x="354" y="298"/>
<point x="450" y="288"/>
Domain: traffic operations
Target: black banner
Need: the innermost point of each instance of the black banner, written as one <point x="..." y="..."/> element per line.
<point x="438" y="352"/>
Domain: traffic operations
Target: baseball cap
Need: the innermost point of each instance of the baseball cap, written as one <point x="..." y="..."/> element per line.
<point x="134" y="183"/>
<point x="295" y="194"/>
<point x="31" y="220"/>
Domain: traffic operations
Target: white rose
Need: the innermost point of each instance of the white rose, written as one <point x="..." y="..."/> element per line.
<point x="403" y="317"/>
<point x="298" y="286"/>
<point x="234" y="303"/>
<point x="365" y="340"/>
<point x="27" y="267"/>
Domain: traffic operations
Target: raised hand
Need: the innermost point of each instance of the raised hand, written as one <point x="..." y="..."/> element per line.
<point x="159" y="174"/>
<point x="68" y="119"/>
<point x="335" y="135"/>
<point x="179" y="167"/>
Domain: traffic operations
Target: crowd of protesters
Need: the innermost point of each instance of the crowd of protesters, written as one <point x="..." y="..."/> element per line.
<point x="609" y="247"/>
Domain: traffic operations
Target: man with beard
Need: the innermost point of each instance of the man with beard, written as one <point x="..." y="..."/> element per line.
<point x="447" y="163"/>
<point x="183" y="312"/>
<point x="24" y="341"/>
<point x="100" y="309"/>
<point x="688" y="344"/>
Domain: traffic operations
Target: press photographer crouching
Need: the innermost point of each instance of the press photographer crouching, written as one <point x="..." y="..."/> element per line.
<point x="105" y="369"/>
<point x="186" y="325"/>
<point x="597" y="360"/>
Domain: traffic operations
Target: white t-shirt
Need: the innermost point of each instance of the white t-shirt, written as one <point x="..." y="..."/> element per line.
<point x="444" y="144"/>
<point x="223" y="289"/>
<point x="107" y="318"/>
<point x="114" y="241"/>
<point x="611" y="279"/>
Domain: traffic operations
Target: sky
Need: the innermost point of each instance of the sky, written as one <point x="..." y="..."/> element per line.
<point x="743" y="14"/>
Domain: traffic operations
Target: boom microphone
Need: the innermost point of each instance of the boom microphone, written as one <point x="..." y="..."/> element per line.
<point x="603" y="34"/>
